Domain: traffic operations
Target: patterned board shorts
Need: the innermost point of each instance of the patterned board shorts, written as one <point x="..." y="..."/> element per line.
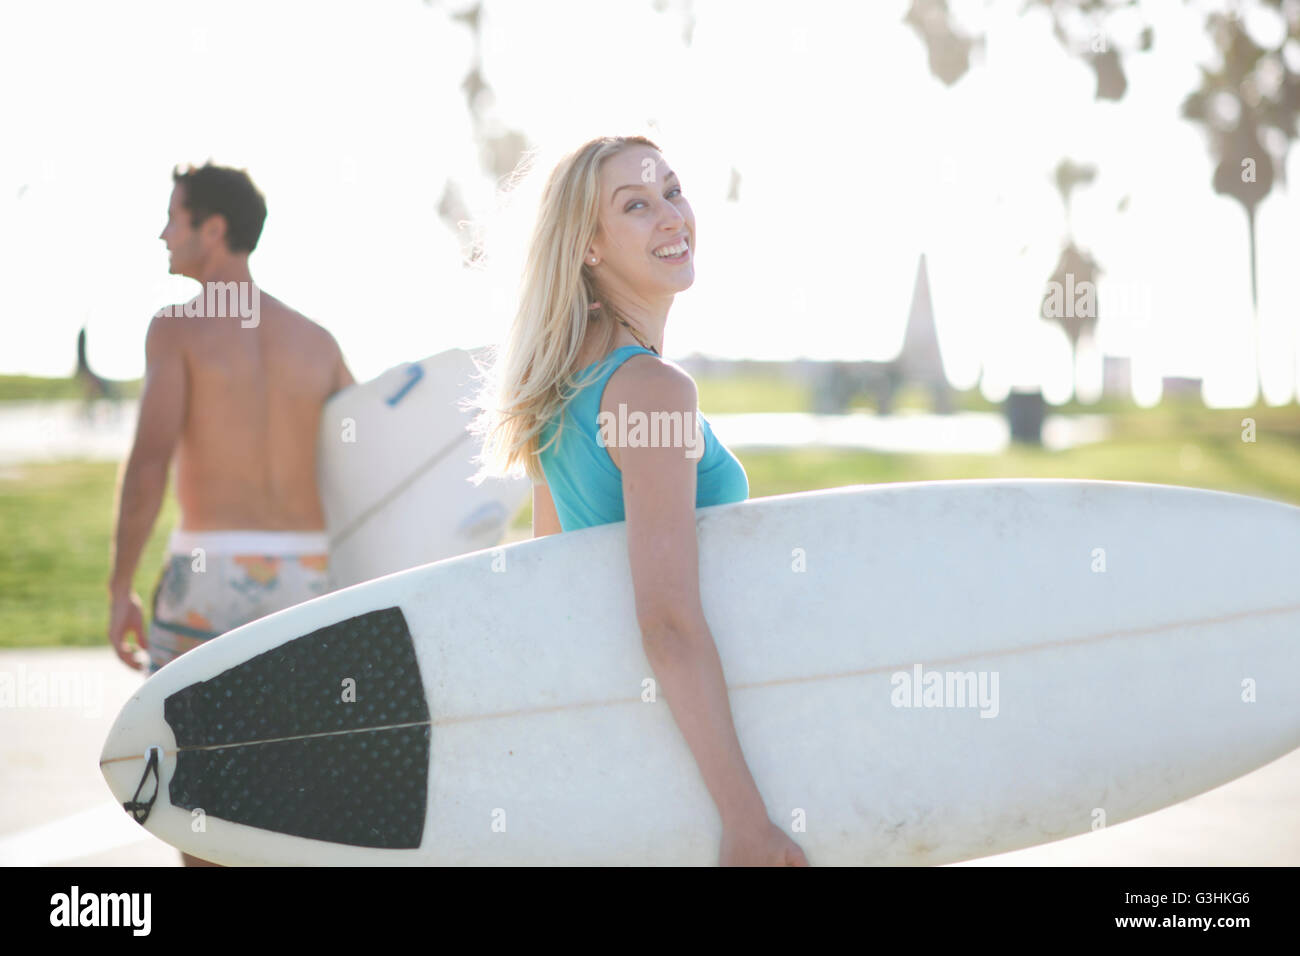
<point x="216" y="581"/>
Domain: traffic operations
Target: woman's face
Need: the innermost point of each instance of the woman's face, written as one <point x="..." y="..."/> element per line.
<point x="643" y="215"/>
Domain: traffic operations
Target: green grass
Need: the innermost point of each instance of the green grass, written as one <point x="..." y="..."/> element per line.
<point x="723" y="395"/>
<point x="28" y="388"/>
<point x="1146" y="445"/>
<point x="17" y="388"/>
<point x="56" y="519"/>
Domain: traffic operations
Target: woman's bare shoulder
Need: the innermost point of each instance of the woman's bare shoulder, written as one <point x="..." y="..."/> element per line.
<point x="648" y="382"/>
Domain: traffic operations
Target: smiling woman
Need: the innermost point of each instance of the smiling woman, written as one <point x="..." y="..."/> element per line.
<point x="613" y="244"/>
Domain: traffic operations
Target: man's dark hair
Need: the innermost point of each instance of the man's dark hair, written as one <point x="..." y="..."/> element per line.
<point x="216" y="190"/>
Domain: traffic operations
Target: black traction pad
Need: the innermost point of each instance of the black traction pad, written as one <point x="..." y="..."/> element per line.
<point x="297" y="688"/>
<point x="368" y="788"/>
<point x="356" y="785"/>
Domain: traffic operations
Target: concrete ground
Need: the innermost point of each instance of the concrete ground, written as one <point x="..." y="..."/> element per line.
<point x="55" y="809"/>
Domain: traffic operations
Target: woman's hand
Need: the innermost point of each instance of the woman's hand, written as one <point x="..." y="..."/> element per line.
<point x="761" y="844"/>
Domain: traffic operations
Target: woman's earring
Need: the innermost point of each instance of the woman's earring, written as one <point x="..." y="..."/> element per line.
<point x="592" y="260"/>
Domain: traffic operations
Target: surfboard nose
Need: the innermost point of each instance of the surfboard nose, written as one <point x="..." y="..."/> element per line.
<point x="325" y="736"/>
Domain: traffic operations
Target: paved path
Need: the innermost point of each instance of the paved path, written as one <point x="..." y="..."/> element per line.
<point x="56" y="810"/>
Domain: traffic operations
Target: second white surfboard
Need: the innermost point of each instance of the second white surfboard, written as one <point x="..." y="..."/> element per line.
<point x="393" y="463"/>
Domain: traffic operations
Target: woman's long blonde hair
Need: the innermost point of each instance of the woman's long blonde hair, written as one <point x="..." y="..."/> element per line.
<point x="530" y="382"/>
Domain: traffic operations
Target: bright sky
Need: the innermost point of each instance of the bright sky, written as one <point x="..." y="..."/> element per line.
<point x="854" y="160"/>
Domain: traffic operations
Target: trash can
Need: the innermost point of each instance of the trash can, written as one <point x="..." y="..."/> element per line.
<point x="1025" y="411"/>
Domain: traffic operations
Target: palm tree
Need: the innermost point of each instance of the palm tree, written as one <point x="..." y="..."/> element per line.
<point x="1071" y="296"/>
<point x="1248" y="93"/>
<point x="1250" y="101"/>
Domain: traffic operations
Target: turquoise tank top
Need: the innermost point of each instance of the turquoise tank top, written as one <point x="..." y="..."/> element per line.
<point x="587" y="487"/>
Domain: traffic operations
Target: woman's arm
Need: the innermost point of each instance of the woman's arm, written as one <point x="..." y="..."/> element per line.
<point x="659" y="502"/>
<point x="545" y="519"/>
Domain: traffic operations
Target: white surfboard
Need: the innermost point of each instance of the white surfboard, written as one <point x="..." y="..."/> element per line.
<point x="1101" y="650"/>
<point x="392" y="465"/>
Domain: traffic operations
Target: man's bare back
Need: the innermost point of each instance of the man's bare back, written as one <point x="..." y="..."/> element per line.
<point x="246" y="454"/>
<point x="234" y="403"/>
<point x="234" y="399"/>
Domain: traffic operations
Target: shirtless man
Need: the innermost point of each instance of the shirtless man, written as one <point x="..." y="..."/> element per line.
<point x="234" y="384"/>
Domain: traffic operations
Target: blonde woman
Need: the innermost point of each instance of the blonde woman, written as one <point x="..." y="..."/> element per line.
<point x="613" y="244"/>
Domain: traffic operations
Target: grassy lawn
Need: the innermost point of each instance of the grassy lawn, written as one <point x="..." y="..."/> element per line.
<point x="752" y="393"/>
<point x="56" y="521"/>
<point x="32" y="388"/>
<point x="56" y="518"/>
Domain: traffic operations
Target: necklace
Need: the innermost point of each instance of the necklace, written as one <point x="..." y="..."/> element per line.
<point x="634" y="335"/>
